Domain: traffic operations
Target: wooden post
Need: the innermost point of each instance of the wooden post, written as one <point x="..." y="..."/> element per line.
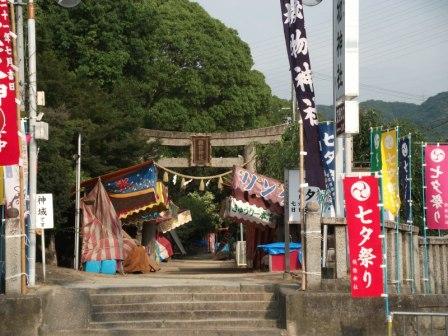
<point x="23" y="287"/>
<point x="302" y="199"/>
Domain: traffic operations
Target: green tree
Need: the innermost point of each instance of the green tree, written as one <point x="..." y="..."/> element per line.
<point x="205" y="214"/>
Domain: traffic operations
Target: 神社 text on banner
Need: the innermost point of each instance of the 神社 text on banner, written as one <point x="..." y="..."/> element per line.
<point x="389" y="163"/>
<point x="9" y="138"/>
<point x="363" y="223"/>
<point x="436" y="180"/>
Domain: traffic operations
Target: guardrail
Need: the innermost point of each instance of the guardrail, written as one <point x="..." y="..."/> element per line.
<point x="418" y="323"/>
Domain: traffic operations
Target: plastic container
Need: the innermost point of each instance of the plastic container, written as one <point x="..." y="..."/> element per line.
<point x="92" y="266"/>
<point x="108" y="267"/>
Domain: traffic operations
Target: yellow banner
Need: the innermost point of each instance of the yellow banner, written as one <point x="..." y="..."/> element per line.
<point x="389" y="160"/>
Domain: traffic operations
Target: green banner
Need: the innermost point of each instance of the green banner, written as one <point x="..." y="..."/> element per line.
<point x="375" y="148"/>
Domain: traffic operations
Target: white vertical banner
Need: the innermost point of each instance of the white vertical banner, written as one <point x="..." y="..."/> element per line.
<point x="346" y="65"/>
<point x="44" y="211"/>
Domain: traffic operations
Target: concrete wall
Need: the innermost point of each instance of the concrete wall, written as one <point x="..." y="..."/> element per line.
<point x="331" y="314"/>
<point x="20" y="315"/>
<point x="44" y="312"/>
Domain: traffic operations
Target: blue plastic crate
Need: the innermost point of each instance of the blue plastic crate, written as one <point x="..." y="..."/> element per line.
<point x="93" y="266"/>
<point x="108" y="266"/>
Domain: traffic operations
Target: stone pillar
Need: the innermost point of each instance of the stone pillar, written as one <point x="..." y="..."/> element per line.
<point x="445" y="268"/>
<point x="341" y="252"/>
<point x="407" y="275"/>
<point x="417" y="265"/>
<point x="12" y="256"/>
<point x="391" y="277"/>
<point x="431" y="266"/>
<point x="437" y="270"/>
<point x="400" y="256"/>
<point x="313" y="238"/>
<point x="249" y="157"/>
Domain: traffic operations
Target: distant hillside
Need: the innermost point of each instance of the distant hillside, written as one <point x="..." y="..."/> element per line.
<point x="431" y="115"/>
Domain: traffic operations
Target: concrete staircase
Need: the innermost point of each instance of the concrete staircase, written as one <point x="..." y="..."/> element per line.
<point x="184" y="310"/>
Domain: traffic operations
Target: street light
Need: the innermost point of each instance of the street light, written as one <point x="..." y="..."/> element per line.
<point x="311" y="2"/>
<point x="69" y="3"/>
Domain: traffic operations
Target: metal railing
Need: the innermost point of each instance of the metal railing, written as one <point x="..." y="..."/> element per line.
<point x="418" y="323"/>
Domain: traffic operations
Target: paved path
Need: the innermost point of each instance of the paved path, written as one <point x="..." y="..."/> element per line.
<point x="184" y="272"/>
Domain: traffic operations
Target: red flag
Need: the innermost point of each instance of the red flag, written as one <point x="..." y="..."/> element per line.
<point x="436" y="172"/>
<point x="363" y="221"/>
<point x="9" y="139"/>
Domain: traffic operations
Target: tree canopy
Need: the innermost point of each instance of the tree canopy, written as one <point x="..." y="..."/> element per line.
<point x="109" y="67"/>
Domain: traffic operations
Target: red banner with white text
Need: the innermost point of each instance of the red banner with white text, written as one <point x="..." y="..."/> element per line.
<point x="364" y="229"/>
<point x="9" y="138"/>
<point x="436" y="178"/>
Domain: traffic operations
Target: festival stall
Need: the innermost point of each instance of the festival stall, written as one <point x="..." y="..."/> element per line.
<point x="257" y="203"/>
<point x="128" y="197"/>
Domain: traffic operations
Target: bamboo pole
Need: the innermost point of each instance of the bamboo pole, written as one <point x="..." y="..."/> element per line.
<point x="410" y="219"/>
<point x="397" y="221"/>
<point x="426" y="282"/>
<point x="302" y="199"/>
<point x="23" y="287"/>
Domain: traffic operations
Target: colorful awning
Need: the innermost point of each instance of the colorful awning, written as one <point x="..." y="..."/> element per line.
<point x="241" y="211"/>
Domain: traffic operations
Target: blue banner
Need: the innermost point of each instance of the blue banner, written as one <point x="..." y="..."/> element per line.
<point x="404" y="174"/>
<point x="327" y="154"/>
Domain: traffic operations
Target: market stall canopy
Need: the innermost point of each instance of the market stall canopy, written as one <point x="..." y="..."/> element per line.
<point x="244" y="212"/>
<point x="259" y="190"/>
<point x="133" y="190"/>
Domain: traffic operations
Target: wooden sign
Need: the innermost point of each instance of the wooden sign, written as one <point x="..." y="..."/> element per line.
<point x="201" y="151"/>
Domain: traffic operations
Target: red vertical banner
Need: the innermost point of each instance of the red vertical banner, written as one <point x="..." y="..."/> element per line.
<point x="9" y="138"/>
<point x="364" y="229"/>
<point x="436" y="180"/>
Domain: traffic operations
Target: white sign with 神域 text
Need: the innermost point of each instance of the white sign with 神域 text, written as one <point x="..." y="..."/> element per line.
<point x="44" y="211"/>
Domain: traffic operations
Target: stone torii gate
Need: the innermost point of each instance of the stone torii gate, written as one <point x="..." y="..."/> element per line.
<point x="201" y="146"/>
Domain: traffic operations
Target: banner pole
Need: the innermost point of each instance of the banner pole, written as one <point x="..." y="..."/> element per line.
<point x="410" y="219"/>
<point x="425" y="238"/>
<point x="397" y="223"/>
<point x="302" y="200"/>
<point x="384" y="248"/>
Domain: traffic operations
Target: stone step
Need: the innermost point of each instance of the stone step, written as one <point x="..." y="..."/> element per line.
<point x="135" y="298"/>
<point x="188" y="306"/>
<point x="224" y="323"/>
<point x="187" y="315"/>
<point x="244" y="288"/>
<point x="174" y="332"/>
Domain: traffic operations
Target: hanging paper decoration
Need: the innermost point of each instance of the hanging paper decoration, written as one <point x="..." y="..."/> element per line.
<point x="174" y="179"/>
<point x="9" y="138"/>
<point x="436" y="171"/>
<point x="166" y="178"/>
<point x="375" y="147"/>
<point x="207" y="183"/>
<point x="182" y="183"/>
<point x="363" y="223"/>
<point x="299" y="61"/>
<point x="220" y="182"/>
<point x="201" y="186"/>
<point x="389" y="161"/>
<point x="404" y="158"/>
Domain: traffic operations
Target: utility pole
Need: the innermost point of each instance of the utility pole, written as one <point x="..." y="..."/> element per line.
<point x="77" y="203"/>
<point x="32" y="100"/>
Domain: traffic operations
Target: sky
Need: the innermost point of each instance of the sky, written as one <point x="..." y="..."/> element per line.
<point x="403" y="45"/>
